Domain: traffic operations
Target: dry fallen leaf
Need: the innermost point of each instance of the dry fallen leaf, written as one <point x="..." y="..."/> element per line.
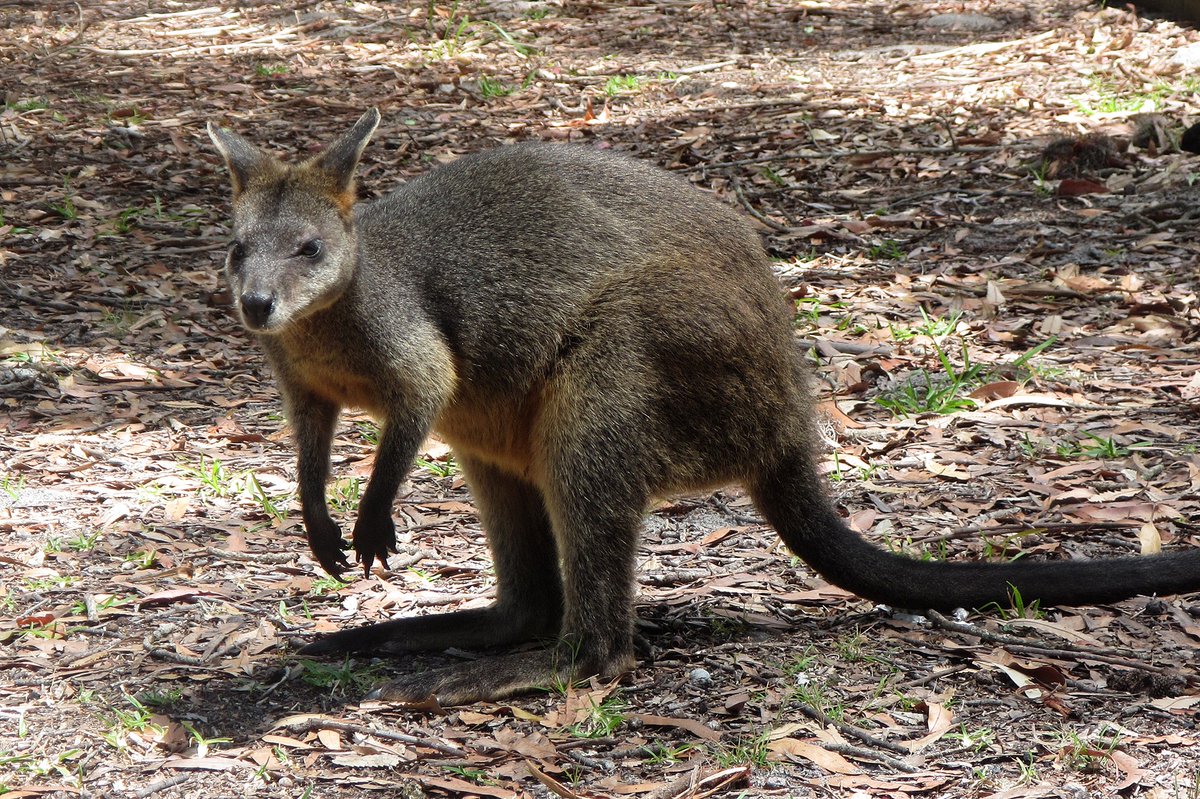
<point x="1150" y="539"/>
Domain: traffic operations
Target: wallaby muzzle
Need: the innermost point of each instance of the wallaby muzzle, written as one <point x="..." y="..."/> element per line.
<point x="256" y="308"/>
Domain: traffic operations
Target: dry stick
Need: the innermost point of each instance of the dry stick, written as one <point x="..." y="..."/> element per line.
<point x="982" y="48"/>
<point x="1072" y="654"/>
<point x="1191" y="216"/>
<point x="190" y="243"/>
<point x="850" y="729"/>
<point x="80" y="28"/>
<point x="266" y="40"/>
<point x="740" y="518"/>
<point x="932" y="676"/>
<point x="1115" y="657"/>
<point x="692" y="784"/>
<point x="810" y="155"/>
<point x="737" y="188"/>
<point x="711" y="67"/>
<point x="162" y="785"/>
<point x="88" y="657"/>
<point x="250" y="557"/>
<point x="1035" y="288"/>
<point x="195" y="12"/>
<point x="175" y="657"/>
<point x="598" y="77"/>
<point x="1013" y="527"/>
<point x="973" y="80"/>
<point x="312" y="725"/>
<point x="869" y="754"/>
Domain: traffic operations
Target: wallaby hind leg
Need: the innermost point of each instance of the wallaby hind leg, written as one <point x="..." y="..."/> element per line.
<point x="598" y="542"/>
<point x="529" y="601"/>
<point x="597" y="628"/>
<point x="593" y="480"/>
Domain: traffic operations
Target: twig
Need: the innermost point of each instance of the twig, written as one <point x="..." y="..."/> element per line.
<point x="1036" y="288"/>
<point x="162" y="785"/>
<point x="711" y="67"/>
<point x="597" y="77"/>
<point x="185" y="244"/>
<point x="850" y="729"/>
<point x="816" y="155"/>
<point x="694" y="786"/>
<point x="737" y="188"/>
<point x="312" y="725"/>
<point x="982" y="48"/>
<point x="1114" y="657"/>
<point x="1073" y="653"/>
<point x="194" y="12"/>
<point x="740" y="518"/>
<point x="175" y="657"/>
<point x="974" y="529"/>
<point x="250" y="557"/>
<point x="604" y="766"/>
<point x="869" y="754"/>
<point x="932" y="676"/>
<point x="266" y="40"/>
<point x="79" y="29"/>
<point x="91" y="655"/>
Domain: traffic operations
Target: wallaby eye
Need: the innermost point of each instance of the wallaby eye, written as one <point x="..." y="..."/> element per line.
<point x="312" y="248"/>
<point x="237" y="252"/>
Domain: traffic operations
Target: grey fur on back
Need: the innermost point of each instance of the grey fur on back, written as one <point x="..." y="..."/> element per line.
<point x="524" y="238"/>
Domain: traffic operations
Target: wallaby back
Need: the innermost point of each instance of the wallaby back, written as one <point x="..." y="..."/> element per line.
<point x="587" y="333"/>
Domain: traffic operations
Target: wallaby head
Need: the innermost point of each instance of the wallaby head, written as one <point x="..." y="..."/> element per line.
<point x="294" y="248"/>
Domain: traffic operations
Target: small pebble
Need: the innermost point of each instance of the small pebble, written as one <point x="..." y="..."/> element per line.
<point x="700" y="677"/>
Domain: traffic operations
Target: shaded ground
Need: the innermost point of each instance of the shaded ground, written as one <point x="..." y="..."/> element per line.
<point x="154" y="576"/>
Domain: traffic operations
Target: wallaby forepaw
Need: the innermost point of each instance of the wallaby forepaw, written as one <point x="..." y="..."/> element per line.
<point x="328" y="547"/>
<point x="373" y="541"/>
<point x="368" y="557"/>
<point x="333" y="561"/>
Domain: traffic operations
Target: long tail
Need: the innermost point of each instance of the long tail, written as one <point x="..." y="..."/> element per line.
<point x="793" y="500"/>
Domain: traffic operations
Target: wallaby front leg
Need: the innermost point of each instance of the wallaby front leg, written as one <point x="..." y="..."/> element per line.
<point x="313" y="420"/>
<point x="375" y="531"/>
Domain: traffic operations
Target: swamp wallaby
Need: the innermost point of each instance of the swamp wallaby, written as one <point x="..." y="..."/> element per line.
<point x="587" y="333"/>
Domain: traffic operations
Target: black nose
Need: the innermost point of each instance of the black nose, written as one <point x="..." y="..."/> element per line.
<point x="257" y="307"/>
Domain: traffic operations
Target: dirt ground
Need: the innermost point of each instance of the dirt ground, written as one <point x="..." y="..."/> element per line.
<point x="988" y="227"/>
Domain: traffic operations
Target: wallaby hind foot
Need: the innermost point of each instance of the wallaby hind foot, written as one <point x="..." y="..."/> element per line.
<point x="587" y="333"/>
<point x="500" y="677"/>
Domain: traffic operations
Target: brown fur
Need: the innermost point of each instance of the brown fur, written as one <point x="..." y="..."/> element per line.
<point x="587" y="333"/>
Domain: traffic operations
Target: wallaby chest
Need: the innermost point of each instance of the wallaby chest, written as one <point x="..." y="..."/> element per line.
<point x="498" y="430"/>
<point x="334" y="362"/>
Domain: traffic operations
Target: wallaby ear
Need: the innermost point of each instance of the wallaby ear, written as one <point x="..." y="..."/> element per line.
<point x="243" y="158"/>
<point x="340" y="159"/>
